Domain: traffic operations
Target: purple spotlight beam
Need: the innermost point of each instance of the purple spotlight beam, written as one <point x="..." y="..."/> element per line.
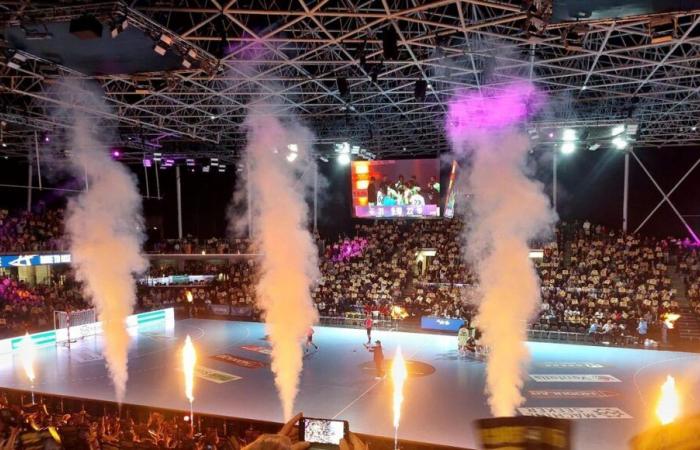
<point x="492" y="109"/>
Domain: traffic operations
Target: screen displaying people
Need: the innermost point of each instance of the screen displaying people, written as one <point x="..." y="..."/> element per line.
<point x="396" y="188"/>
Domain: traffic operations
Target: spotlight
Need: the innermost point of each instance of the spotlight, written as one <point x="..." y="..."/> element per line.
<point x="619" y="143"/>
<point x="693" y="128"/>
<point x="569" y="135"/>
<point x="163" y="44"/>
<point x="157" y="157"/>
<point x="323" y="158"/>
<point x="294" y="148"/>
<point x="119" y="27"/>
<point x="568" y="148"/>
<point x="4" y="145"/>
<point x="617" y="130"/>
<point x="147" y="163"/>
<point x="594" y="147"/>
<point x="116" y="154"/>
<point x="212" y="117"/>
<point x="343" y="159"/>
<point x="16" y="61"/>
<point x="662" y="30"/>
<point x="205" y="169"/>
<point x="291" y="157"/>
<point x="222" y="169"/>
<point x="190" y="162"/>
<point x="189" y="59"/>
<point x="214" y="162"/>
<point x="47" y="138"/>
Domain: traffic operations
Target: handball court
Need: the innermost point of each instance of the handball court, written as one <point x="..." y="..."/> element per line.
<point x="612" y="390"/>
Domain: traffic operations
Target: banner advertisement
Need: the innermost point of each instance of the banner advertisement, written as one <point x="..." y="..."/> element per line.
<point x="583" y="378"/>
<point x="440" y="323"/>
<point x="576" y="412"/>
<point x="34" y="260"/>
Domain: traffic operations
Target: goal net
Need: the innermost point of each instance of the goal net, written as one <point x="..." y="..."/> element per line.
<point x="73" y="325"/>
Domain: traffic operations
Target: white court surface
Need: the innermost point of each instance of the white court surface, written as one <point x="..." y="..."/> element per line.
<point x="614" y="389"/>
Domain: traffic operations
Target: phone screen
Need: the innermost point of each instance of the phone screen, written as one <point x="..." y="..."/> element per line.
<point x="324" y="431"/>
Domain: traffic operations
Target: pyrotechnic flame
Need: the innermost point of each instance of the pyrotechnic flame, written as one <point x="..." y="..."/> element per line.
<point x="398" y="377"/>
<point x="188" y="294"/>
<point x="189" y="359"/>
<point x="27" y="352"/>
<point x="398" y="313"/>
<point x="669" y="406"/>
<point x="670" y="318"/>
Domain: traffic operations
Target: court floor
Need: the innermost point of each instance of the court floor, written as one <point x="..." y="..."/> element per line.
<point x="610" y="391"/>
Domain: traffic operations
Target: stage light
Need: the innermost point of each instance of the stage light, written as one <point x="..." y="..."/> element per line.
<point x="619" y="143"/>
<point x="189" y="162"/>
<point x="16" y="61"/>
<point x="147" y="163"/>
<point x="119" y="27"/>
<point x="157" y="157"/>
<point x="47" y="138"/>
<point x="291" y="157"/>
<point x="293" y="148"/>
<point x="189" y="59"/>
<point x="205" y="169"/>
<point x="323" y="158"/>
<point x="568" y="148"/>
<point x="343" y="147"/>
<point x="693" y="128"/>
<point x="551" y="135"/>
<point x="344" y="159"/>
<point x="214" y="162"/>
<point x="617" y="130"/>
<point x="4" y="145"/>
<point x="583" y="88"/>
<point x="222" y="169"/>
<point x="569" y="135"/>
<point x="116" y="153"/>
<point x="594" y="147"/>
<point x="212" y="117"/>
<point x="163" y="44"/>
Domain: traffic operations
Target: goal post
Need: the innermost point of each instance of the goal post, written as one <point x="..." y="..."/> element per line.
<point x="73" y="325"/>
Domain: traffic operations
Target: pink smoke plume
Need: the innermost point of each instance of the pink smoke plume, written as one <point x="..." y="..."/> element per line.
<point x="507" y="210"/>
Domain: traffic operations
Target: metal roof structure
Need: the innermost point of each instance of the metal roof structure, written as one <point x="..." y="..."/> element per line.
<point x="642" y="69"/>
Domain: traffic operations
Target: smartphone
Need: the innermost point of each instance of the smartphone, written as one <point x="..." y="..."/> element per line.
<point x="323" y="433"/>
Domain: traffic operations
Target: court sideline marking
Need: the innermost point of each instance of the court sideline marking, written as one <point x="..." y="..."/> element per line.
<point x="376" y="383"/>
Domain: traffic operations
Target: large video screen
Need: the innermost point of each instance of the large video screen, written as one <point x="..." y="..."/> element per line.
<point x="396" y="188"/>
<point x="451" y="192"/>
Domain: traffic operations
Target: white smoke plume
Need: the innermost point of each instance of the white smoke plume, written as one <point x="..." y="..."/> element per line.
<point x="105" y="226"/>
<point x="507" y="209"/>
<point x="289" y="262"/>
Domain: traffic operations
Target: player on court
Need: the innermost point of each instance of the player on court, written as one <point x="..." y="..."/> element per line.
<point x="310" y="340"/>
<point x="368" y="326"/>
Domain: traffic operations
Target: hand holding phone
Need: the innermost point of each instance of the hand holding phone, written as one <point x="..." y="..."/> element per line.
<point x="322" y="433"/>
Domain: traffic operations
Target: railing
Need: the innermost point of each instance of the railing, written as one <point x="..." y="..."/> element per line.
<point x="356" y="320"/>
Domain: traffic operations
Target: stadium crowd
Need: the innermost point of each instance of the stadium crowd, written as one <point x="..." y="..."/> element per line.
<point x="53" y="424"/>
<point x="593" y="279"/>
